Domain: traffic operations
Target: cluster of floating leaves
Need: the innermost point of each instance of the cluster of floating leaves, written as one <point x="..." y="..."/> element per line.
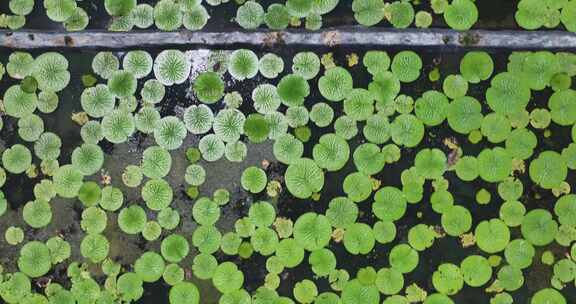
<point x="171" y="15"/>
<point x="499" y="142"/>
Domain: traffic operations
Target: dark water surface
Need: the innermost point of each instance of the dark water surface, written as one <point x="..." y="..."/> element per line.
<point x="493" y="14"/>
<point x="444" y="250"/>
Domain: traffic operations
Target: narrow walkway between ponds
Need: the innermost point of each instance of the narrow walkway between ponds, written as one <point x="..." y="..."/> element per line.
<point x="349" y="36"/>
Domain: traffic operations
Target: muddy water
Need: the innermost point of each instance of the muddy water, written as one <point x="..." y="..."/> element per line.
<point x="493" y="14"/>
<point x="223" y="174"/>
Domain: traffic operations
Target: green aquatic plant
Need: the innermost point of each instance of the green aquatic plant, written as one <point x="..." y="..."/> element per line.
<point x="455" y="86"/>
<point x="18" y="103"/>
<point x="331" y="152"/>
<point x="400" y="14"/>
<point x="171" y="67"/>
<point x="97" y="101"/>
<point x="205" y="211"/>
<point x="34" y="259"/>
<point x="119" y="8"/>
<point x="157" y="194"/>
<point x="322" y="114"/>
<point x="153" y="91"/>
<point x="170" y="132"/>
<point x="88" y="158"/>
<point x="118" y="126"/>
<point x="16" y="159"/>
<point x="456" y="220"/>
<point x="156" y="162"/>
<point x="195" y="18"/>
<point x="447" y="279"/>
<point x="37" y="213"/>
<point x="132" y="219"/>
<point x="243" y="64"/>
<point x="250" y="15"/>
<point x="95" y="247"/>
<point x="407" y="130"/>
<point x="312" y="231"/>
<point x="59" y="11"/>
<point x="461" y="15"/>
<point x="548" y="170"/>
<point x="303" y="178"/>
<point x="507" y="93"/>
<point x="208" y="87"/>
<point x="266" y="99"/>
<point x="30" y="127"/>
<point x="122" y="84"/>
<point x="335" y="84"/>
<point x="253" y="179"/>
<point x="47" y="102"/>
<point x="198" y="119"/>
<point x="359" y="105"/>
<point x="229" y="125"/>
<point x="139" y="63"/>
<point x="293" y="89"/>
<point x="538" y="227"/>
<point x="236" y="151"/>
<point x="256" y="128"/>
<point x="368" y="12"/>
<point x="306" y="64"/>
<point x="211" y="147"/>
<point x="529" y="14"/>
<point x="195" y="175"/>
<point x="406" y="65"/>
<point x="270" y="65"/>
<point x="94" y="220"/>
<point x="50" y="70"/>
<point x="227" y="277"/>
<point x="167" y="15"/>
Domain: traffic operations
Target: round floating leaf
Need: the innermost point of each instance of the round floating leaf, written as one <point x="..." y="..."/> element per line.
<point x="170" y="132"/>
<point x="447" y="279"/>
<point x="209" y="87"/>
<point x="406" y="65"/>
<point x="562" y="107"/>
<point x="368" y="12"/>
<point x="359" y="239"/>
<point x="548" y="295"/>
<point x="548" y="170"/>
<point x="174" y="248"/>
<point x="335" y="84"/>
<point x="456" y="220"/>
<point x="492" y="236"/>
<point x="331" y="152"/>
<point x="431" y="163"/>
<point x="34" y="259"/>
<point x="303" y="178"/>
<point x="476" y="270"/>
<point x="95" y="247"/>
<point x="132" y="220"/>
<point x="507" y="93"/>
<point x="227" y="278"/>
<point x="357" y="186"/>
<point x="51" y="72"/>
<point x="250" y="15"/>
<point x="171" y="67"/>
<point x="37" y="213"/>
<point x="389" y="204"/>
<point x="312" y="231"/>
<point x="403" y="258"/>
<point x="184" y="293"/>
<point x="407" y="130"/>
<point x="461" y="14"/>
<point x="243" y="64"/>
<point x="254" y="179"/>
<point x="538" y="227"/>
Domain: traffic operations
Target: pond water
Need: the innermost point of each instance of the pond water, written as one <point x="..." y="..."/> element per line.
<point x="493" y="14"/>
<point x="444" y="249"/>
